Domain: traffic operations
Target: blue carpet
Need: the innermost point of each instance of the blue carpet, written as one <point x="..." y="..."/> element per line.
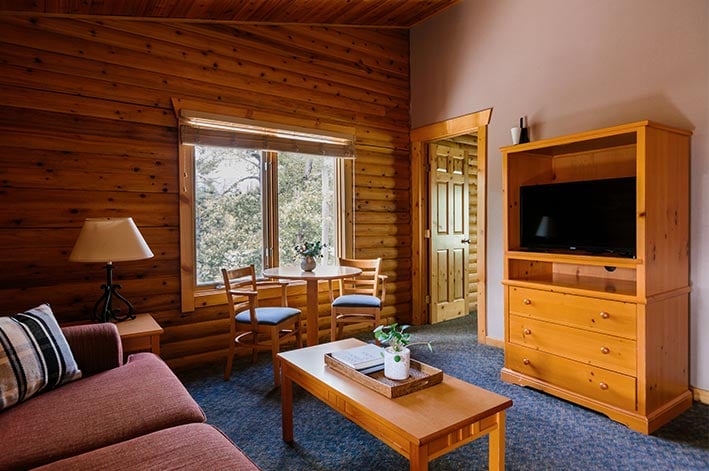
<point x="543" y="432"/>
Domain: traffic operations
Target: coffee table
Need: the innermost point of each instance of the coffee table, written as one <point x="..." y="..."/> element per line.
<point x="421" y="425"/>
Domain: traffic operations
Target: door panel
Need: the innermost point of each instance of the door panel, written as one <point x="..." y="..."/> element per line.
<point x="449" y="222"/>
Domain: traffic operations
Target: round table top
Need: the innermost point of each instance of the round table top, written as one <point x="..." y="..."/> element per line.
<point x="321" y="272"/>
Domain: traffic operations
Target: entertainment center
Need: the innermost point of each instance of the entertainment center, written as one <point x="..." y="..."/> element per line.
<point x="587" y="318"/>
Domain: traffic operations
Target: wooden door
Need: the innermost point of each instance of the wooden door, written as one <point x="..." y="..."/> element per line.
<point x="449" y="195"/>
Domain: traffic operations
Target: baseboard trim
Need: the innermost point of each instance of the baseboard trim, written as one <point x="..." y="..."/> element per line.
<point x="700" y="395"/>
<point x="493" y="342"/>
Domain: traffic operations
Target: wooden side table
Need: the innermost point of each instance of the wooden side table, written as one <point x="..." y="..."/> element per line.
<point x="140" y="334"/>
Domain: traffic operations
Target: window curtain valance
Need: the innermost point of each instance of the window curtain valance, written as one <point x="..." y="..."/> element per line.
<point x="224" y="131"/>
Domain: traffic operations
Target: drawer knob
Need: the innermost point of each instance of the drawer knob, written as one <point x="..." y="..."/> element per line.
<point x="605" y="315"/>
<point x="526" y="361"/>
<point x="527" y="301"/>
<point x="603" y="386"/>
<point x="527" y="332"/>
<point x="605" y="350"/>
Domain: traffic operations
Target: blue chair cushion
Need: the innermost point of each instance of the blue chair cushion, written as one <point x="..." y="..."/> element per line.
<point x="268" y="315"/>
<point x="357" y="300"/>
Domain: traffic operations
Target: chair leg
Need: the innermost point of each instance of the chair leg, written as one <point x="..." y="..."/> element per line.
<point x="254" y="352"/>
<point x="229" y="361"/>
<point x="376" y="322"/>
<point x="275" y="348"/>
<point x="333" y="325"/>
<point x="298" y="334"/>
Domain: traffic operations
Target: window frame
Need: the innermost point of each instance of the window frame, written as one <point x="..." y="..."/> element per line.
<point x="194" y="296"/>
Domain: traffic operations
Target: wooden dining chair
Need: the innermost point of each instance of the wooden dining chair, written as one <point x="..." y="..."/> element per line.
<point x="258" y="328"/>
<point x="360" y="298"/>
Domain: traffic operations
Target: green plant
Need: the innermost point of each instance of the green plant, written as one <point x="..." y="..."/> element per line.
<point x="313" y="249"/>
<point x="397" y="338"/>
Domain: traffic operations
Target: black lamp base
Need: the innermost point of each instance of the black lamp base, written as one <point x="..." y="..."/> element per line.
<point x="103" y="309"/>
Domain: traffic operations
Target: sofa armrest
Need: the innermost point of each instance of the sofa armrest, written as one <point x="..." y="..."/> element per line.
<point x="96" y="347"/>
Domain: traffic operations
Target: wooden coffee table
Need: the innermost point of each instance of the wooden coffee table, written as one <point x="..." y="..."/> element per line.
<point x="421" y="426"/>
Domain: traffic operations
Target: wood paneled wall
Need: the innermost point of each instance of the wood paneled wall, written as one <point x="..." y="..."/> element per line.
<point x="87" y="130"/>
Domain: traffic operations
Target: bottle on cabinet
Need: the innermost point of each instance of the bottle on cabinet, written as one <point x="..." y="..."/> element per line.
<point x="524" y="133"/>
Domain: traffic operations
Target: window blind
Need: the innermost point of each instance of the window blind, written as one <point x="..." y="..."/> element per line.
<point x="201" y="129"/>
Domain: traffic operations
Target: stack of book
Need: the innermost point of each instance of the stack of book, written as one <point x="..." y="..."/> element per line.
<point x="365" y="359"/>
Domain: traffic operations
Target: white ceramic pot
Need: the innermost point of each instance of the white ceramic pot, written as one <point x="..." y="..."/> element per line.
<point x="396" y="364"/>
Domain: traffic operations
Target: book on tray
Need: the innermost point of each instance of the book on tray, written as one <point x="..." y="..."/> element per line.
<point x="361" y="358"/>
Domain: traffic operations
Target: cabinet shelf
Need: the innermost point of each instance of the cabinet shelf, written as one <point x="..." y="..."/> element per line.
<point x="594" y="260"/>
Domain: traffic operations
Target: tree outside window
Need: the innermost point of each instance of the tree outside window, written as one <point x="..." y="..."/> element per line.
<point x="231" y="207"/>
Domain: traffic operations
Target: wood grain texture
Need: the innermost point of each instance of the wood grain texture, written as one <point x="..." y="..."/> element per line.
<point x="87" y="129"/>
<point x="383" y="13"/>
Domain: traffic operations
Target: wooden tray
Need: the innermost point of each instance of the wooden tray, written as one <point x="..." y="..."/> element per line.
<point x="421" y="376"/>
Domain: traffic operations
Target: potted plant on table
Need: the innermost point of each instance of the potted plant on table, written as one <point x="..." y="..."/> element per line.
<point x="397" y="356"/>
<point x="308" y="251"/>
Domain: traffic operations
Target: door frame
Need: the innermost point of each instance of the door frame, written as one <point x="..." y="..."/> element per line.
<point x="419" y="137"/>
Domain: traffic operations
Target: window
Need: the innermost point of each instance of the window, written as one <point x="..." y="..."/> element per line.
<point x="233" y="201"/>
<point x="251" y="190"/>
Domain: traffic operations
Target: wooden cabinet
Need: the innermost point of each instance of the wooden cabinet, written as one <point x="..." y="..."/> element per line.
<point x="606" y="332"/>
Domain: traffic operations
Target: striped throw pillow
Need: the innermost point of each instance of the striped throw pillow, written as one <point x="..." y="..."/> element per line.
<point x="34" y="355"/>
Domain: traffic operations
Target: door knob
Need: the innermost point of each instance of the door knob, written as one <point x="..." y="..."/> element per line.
<point x="466" y="241"/>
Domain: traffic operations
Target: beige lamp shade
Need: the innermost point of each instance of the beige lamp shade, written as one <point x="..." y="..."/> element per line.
<point x="109" y="240"/>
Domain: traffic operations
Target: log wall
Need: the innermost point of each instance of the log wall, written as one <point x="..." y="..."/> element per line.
<point x="87" y="130"/>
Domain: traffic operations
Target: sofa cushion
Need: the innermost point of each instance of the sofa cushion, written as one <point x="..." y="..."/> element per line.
<point x="137" y="398"/>
<point x="192" y="446"/>
<point x="34" y="355"/>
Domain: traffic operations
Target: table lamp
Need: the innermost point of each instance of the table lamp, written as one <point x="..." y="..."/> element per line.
<point x="109" y="240"/>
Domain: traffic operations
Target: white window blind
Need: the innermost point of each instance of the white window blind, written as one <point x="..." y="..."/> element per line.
<point x="215" y="130"/>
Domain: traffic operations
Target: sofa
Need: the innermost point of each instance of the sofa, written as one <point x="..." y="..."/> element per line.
<point x="135" y="415"/>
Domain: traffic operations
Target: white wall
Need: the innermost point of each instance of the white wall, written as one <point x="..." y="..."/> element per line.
<point x="571" y="66"/>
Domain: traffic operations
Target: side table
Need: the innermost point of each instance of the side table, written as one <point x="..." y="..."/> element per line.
<point x="140" y="334"/>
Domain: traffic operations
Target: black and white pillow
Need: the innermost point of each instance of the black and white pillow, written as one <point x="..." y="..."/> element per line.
<point x="34" y="355"/>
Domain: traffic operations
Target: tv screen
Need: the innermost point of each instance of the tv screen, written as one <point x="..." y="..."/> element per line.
<point x="593" y="216"/>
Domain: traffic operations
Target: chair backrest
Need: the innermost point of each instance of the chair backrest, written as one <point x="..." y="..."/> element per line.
<point x="239" y="279"/>
<point x="242" y="286"/>
<point x="365" y="283"/>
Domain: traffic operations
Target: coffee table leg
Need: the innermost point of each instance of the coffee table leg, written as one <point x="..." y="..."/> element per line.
<point x="418" y="457"/>
<point x="286" y="404"/>
<point x="497" y="444"/>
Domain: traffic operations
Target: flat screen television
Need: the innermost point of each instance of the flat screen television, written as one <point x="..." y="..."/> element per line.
<point x="592" y="217"/>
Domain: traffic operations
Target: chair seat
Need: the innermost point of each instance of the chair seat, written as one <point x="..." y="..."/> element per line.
<point x="357" y="300"/>
<point x="268" y="315"/>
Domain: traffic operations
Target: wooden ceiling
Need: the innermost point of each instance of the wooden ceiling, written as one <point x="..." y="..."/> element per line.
<point x="379" y="13"/>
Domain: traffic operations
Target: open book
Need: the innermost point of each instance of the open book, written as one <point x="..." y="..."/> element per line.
<point x="360" y="358"/>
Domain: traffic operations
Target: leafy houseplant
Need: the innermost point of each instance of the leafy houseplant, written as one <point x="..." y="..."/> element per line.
<point x="312" y="249"/>
<point x="397" y="355"/>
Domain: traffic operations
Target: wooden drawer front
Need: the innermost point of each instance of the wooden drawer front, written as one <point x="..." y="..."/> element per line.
<point x="596" y="383"/>
<point x="610" y="317"/>
<point x="605" y="351"/>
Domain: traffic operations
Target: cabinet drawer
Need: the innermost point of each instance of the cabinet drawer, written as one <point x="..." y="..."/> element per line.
<point x="605" y="351"/>
<point x="599" y="315"/>
<point x="596" y="383"/>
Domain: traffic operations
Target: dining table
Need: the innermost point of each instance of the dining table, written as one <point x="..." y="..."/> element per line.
<point x="312" y="278"/>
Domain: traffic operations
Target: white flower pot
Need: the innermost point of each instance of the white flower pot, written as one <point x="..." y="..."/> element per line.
<point x="396" y="364"/>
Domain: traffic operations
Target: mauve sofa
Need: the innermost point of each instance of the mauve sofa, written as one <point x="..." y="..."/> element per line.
<point x="135" y="415"/>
